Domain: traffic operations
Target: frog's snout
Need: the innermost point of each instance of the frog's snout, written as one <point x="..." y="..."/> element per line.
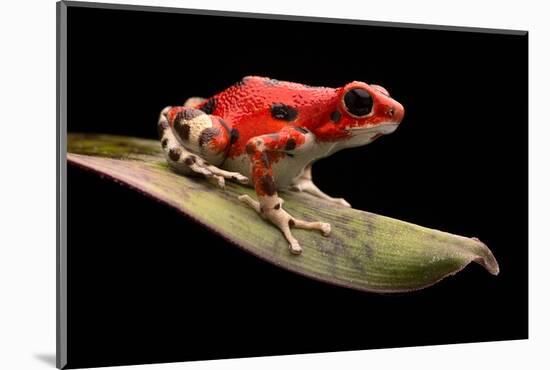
<point x="395" y="112"/>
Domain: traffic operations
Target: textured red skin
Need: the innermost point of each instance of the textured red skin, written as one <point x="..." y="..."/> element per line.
<point x="246" y="106"/>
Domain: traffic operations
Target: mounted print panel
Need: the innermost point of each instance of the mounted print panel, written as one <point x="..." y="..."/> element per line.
<point x="238" y="185"/>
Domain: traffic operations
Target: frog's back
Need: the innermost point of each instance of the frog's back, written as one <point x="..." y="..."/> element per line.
<point x="258" y="105"/>
<point x="259" y="97"/>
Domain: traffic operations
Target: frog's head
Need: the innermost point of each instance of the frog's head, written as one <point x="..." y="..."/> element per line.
<point x="363" y="113"/>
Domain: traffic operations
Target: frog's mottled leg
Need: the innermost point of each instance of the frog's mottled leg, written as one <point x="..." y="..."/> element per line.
<point x="186" y="132"/>
<point x="305" y="183"/>
<point x="263" y="151"/>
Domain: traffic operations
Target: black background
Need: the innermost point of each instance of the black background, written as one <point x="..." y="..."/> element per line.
<point x="140" y="287"/>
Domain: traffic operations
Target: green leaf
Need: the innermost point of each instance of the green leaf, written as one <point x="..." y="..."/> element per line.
<point x="365" y="251"/>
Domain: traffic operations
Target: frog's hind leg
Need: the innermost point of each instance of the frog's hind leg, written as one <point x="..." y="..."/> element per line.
<point x="305" y="183"/>
<point x="263" y="150"/>
<point x="195" y="143"/>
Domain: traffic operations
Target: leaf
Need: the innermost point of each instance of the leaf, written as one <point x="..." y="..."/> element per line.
<point x="365" y="251"/>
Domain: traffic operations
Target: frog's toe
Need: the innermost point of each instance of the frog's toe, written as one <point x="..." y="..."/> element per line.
<point x="325" y="229"/>
<point x="220" y="180"/>
<point x="235" y="176"/>
<point x="342" y="202"/>
<point x="295" y="248"/>
<point x="239" y="178"/>
<point x="254" y="204"/>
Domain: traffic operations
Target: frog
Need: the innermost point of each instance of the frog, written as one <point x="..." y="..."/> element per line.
<point x="266" y="134"/>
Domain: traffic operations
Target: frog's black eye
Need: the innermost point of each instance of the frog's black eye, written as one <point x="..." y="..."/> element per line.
<point x="358" y="102"/>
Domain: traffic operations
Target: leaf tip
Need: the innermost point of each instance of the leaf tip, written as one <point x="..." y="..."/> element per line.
<point x="486" y="258"/>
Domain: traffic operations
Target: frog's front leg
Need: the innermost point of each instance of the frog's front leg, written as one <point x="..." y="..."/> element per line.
<point x="263" y="151"/>
<point x="196" y="143"/>
<point x="305" y="183"/>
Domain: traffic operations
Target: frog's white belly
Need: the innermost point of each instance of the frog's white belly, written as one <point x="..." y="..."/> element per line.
<point x="288" y="168"/>
<point x="285" y="170"/>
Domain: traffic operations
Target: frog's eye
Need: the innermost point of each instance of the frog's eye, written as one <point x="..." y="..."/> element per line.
<point x="358" y="102"/>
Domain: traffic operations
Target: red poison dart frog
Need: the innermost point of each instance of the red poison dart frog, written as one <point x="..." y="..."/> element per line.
<point x="267" y="133"/>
